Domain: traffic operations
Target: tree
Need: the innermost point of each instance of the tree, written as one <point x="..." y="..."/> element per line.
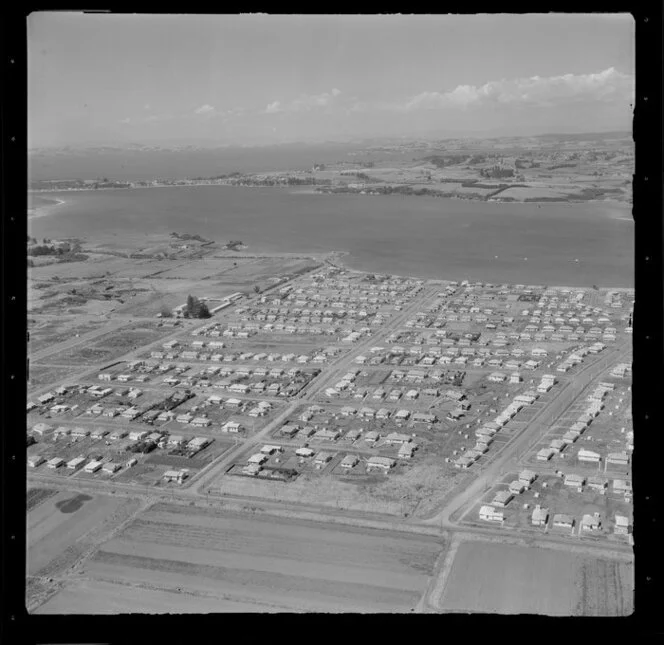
<point x="257" y="289"/>
<point x="166" y="311"/>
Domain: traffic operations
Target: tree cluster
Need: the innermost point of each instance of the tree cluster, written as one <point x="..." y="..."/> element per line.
<point x="195" y="308"/>
<point x="497" y="172"/>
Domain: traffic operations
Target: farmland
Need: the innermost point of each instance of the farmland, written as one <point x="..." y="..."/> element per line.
<point x="262" y="564"/>
<point x="506" y="579"/>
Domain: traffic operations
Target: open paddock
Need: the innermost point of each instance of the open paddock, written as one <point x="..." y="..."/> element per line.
<point x="499" y="578"/>
<point x="251" y="564"/>
<point x="56" y="525"/>
<point x="42" y="375"/>
<point x="107" y="347"/>
<point x="36" y="496"/>
<point x="52" y="331"/>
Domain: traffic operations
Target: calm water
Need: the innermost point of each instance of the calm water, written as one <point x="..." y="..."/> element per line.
<point x="419" y="236"/>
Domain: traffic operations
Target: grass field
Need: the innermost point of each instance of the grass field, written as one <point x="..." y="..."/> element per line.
<point x="506" y="579"/>
<point x="54" y="527"/>
<point x="237" y="563"/>
<point x="36" y="496"/>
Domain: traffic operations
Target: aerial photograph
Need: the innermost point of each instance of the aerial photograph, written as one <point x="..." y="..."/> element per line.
<point x="330" y="314"/>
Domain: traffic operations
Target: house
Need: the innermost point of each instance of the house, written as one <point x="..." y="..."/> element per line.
<point x="622" y="486"/>
<point x="201" y="422"/>
<point x="516" y="487"/>
<point x="406" y="450"/>
<point x="527" y="477"/>
<point x="257" y="458"/>
<point x="42" y="429"/>
<point x="397" y="438"/>
<point x="111" y="467"/>
<point x="35" y="460"/>
<point x="618" y="458"/>
<point x="56" y="462"/>
<point x="490" y="514"/>
<point x="622" y="525"/>
<point x="289" y="430"/>
<point x="545" y="454"/>
<point x="591" y="522"/>
<point x="563" y="521"/>
<point x="175" y="440"/>
<point x="540" y="516"/>
<point x="118" y="434"/>
<point x="328" y="435"/>
<point x="424" y="417"/>
<point x="598" y="484"/>
<point x="558" y="445"/>
<point x="304" y="452"/>
<point x="380" y="463"/>
<point x="80" y="432"/>
<point x="576" y="481"/>
<point x="92" y="466"/>
<point x="137" y="435"/>
<point x="349" y="461"/>
<point x="323" y="458"/>
<point x="502" y="498"/>
<point x="570" y="437"/>
<point x="588" y="456"/>
<point x="372" y="437"/>
<point x="177" y="476"/>
<point x="269" y="449"/>
<point x="99" y="433"/>
<point x="383" y="414"/>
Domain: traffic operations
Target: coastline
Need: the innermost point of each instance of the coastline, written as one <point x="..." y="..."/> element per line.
<point x="43" y="211"/>
<point x="313" y="191"/>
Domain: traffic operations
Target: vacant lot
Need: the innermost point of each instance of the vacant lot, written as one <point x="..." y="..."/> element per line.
<point x="41" y="375"/>
<point x="107" y="347"/>
<point x="58" y="330"/>
<point x="36" y="496"/>
<point x="506" y="579"/>
<point x="246" y="563"/>
<point x="55" y="526"/>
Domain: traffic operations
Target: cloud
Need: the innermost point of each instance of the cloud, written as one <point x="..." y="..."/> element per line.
<point x="127" y="120"/>
<point x="306" y="102"/>
<point x="609" y="85"/>
<point x="274" y="107"/>
<point x="146" y="106"/>
<point x="204" y="109"/>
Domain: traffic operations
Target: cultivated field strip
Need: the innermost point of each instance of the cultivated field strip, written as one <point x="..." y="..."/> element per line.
<point x="294" y="566"/>
<point x="287" y="591"/>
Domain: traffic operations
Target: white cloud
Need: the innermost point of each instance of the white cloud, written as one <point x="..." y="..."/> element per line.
<point x="204" y="109"/>
<point x="609" y="85"/>
<point x="305" y="102"/>
<point x="146" y="106"/>
<point x="127" y="120"/>
<point x="274" y="107"/>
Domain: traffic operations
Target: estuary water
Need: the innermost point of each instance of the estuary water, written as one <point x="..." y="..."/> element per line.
<point x="555" y="243"/>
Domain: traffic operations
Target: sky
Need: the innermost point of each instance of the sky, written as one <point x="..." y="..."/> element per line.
<point x="100" y="79"/>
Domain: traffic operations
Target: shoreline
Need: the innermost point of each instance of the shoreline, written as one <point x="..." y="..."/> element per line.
<point x="43" y="211"/>
<point x="313" y="191"/>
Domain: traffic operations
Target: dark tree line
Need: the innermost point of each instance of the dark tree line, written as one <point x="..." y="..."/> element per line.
<point x="195" y="308"/>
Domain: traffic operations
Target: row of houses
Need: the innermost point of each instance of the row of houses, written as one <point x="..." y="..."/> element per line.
<point x="590" y="523"/>
<point x="484" y="434"/>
